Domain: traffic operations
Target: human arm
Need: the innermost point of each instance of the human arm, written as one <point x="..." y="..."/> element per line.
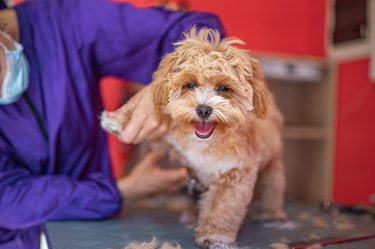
<point x="27" y="199"/>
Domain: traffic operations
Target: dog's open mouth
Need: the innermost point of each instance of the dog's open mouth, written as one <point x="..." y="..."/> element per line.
<point x="203" y="129"/>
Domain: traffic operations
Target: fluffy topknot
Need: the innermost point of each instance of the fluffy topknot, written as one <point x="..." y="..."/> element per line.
<point x="208" y="38"/>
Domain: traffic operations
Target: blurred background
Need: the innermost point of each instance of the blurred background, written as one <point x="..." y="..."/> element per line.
<point x="319" y="60"/>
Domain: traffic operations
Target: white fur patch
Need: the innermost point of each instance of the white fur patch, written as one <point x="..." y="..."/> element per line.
<point x="109" y="124"/>
<point x="208" y="96"/>
<point x="204" y="165"/>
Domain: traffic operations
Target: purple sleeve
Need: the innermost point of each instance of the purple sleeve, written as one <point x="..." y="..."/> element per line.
<point x="27" y="200"/>
<point x="129" y="42"/>
<point x="22" y="238"/>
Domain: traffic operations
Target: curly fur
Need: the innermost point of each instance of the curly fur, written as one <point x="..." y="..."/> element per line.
<point x="239" y="155"/>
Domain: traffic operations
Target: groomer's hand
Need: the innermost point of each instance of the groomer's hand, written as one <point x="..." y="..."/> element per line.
<point x="145" y="122"/>
<point x="147" y="178"/>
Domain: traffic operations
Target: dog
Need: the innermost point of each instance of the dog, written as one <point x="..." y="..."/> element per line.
<point x="225" y="127"/>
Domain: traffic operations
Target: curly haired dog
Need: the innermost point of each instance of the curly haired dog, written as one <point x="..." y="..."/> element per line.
<point x="226" y="129"/>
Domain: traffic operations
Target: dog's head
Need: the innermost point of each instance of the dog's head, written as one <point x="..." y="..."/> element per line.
<point x="208" y="84"/>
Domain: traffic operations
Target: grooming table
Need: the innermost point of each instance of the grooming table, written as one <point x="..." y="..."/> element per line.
<point x="305" y="222"/>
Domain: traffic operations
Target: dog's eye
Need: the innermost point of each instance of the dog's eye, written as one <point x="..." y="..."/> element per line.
<point x="222" y="89"/>
<point x="191" y="85"/>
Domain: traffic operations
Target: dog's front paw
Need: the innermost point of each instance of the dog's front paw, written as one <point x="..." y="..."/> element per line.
<point x="215" y="241"/>
<point x="114" y="122"/>
<point x="110" y="124"/>
<point x="278" y="215"/>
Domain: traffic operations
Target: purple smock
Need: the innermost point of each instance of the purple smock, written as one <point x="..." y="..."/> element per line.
<point x="54" y="161"/>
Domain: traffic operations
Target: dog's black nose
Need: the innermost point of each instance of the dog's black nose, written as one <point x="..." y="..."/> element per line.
<point x="204" y="111"/>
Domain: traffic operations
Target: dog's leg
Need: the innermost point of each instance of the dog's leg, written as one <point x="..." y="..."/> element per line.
<point x="114" y="122"/>
<point x="223" y="207"/>
<point x="269" y="193"/>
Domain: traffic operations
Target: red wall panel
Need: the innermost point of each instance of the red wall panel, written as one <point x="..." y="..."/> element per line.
<point x="273" y="26"/>
<point x="283" y="27"/>
<point x="114" y="92"/>
<point x="354" y="175"/>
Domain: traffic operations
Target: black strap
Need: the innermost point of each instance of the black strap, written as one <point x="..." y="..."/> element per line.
<point x="37" y="117"/>
<point x="3" y="5"/>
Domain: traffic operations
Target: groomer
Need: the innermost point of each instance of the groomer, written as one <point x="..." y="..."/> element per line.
<point x="54" y="160"/>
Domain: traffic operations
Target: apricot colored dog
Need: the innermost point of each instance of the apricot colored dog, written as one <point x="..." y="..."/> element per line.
<point x="226" y="128"/>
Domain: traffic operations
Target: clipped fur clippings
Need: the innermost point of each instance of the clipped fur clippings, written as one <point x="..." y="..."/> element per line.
<point x="153" y="244"/>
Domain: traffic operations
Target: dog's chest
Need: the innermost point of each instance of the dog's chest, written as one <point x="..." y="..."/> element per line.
<point x="201" y="160"/>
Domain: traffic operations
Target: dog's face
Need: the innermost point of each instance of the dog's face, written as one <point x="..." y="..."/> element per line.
<point x="208" y="85"/>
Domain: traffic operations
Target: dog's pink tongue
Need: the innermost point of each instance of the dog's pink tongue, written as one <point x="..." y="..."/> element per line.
<point x="203" y="129"/>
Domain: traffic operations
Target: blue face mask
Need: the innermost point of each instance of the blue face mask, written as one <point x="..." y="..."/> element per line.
<point x="16" y="77"/>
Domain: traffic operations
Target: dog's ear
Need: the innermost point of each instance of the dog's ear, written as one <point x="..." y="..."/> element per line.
<point x="160" y="85"/>
<point x="260" y="91"/>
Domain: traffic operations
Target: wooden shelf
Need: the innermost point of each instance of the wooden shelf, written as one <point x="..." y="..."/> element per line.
<point x="302" y="91"/>
<point x="305" y="133"/>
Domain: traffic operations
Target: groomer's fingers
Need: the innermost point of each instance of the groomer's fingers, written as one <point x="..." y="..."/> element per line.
<point x="147" y="129"/>
<point x="149" y="178"/>
<point x="175" y="175"/>
<point x="133" y="127"/>
<point x="152" y="157"/>
<point x="169" y="175"/>
<point x="142" y="117"/>
<point x="171" y="180"/>
<point x="156" y="126"/>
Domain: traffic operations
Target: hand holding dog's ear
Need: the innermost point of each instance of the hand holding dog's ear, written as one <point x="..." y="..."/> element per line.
<point x="145" y="122"/>
<point x="148" y="178"/>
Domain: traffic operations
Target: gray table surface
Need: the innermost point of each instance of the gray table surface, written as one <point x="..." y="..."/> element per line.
<point x="305" y="222"/>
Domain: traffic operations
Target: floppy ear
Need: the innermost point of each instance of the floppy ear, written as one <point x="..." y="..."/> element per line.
<point x="160" y="85"/>
<point x="260" y="90"/>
